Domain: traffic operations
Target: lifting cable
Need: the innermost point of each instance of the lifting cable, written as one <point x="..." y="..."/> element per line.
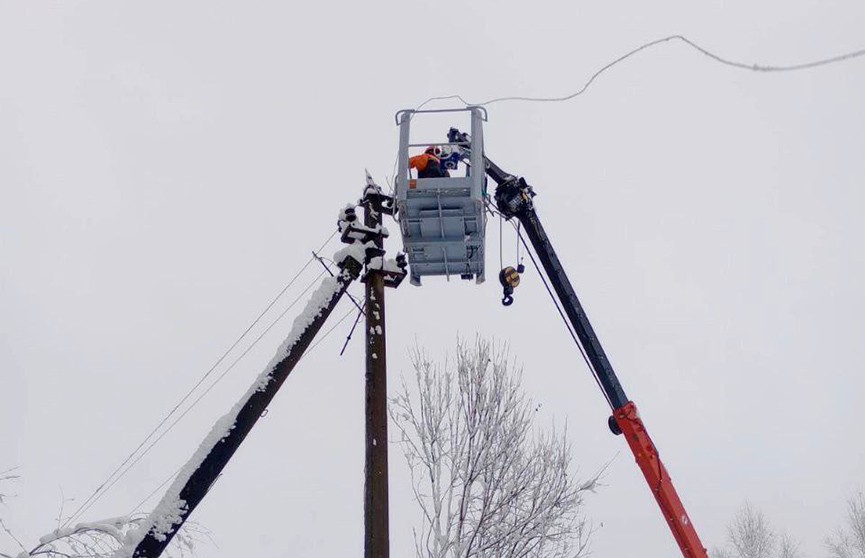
<point x="120" y="471"/>
<point x="565" y="320"/>
<point x="501" y="241"/>
<point x="517" y="238"/>
<point x="543" y="277"/>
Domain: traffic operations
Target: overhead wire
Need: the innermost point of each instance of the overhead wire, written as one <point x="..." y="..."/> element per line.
<point x="305" y="354"/>
<point x="111" y="480"/>
<point x="329" y="331"/>
<point x="200" y="397"/>
<point x="681" y="38"/>
<point x="766" y="68"/>
<point x="323" y="262"/>
<point x="102" y="488"/>
<point x="416" y="108"/>
<point x="155" y="490"/>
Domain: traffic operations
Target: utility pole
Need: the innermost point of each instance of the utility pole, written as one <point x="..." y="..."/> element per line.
<point x="195" y="480"/>
<point x="197" y="477"/>
<point x="380" y="273"/>
<point x="375" y="503"/>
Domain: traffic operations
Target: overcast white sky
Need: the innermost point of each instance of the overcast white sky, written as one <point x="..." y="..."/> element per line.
<point x="166" y="167"/>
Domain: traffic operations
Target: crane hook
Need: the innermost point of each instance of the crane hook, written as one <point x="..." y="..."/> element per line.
<point x="509" y="278"/>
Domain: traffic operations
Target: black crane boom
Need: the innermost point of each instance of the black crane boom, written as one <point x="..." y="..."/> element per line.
<point x="514" y="199"/>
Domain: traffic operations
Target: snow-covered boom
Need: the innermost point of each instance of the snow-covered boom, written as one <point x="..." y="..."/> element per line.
<point x="514" y="199"/>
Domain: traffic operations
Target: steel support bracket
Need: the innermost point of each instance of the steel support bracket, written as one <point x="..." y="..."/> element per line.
<point x="354" y="231"/>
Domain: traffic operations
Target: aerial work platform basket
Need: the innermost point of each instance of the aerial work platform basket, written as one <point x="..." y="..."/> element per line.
<point x="442" y="220"/>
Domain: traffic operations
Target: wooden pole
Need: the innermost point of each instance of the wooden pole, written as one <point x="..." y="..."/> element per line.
<point x="376" y="525"/>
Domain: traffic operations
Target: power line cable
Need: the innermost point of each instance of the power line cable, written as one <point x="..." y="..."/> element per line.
<point x="324" y="264"/>
<point x="328" y="332"/>
<point x="410" y="116"/>
<point x="680" y="38"/>
<point x="200" y="397"/>
<point x="650" y="44"/>
<point x="305" y="354"/>
<point x="102" y="487"/>
<point x="155" y="490"/>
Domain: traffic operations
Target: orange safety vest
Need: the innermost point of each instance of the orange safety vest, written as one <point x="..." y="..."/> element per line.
<point x="421" y="161"/>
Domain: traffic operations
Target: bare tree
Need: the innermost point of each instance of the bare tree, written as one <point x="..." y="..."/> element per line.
<point x="5" y="477"/>
<point x="98" y="539"/>
<point x="849" y="541"/>
<point x="487" y="484"/>
<point x="788" y="548"/>
<point x="750" y="535"/>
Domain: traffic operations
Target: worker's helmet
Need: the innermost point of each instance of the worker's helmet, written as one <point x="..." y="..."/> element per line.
<point x="433" y="150"/>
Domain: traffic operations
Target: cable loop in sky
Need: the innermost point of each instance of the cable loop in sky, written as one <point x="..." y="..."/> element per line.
<point x="680" y="38"/>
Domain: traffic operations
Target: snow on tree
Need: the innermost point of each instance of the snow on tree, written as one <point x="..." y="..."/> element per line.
<point x="849" y="541"/>
<point x="489" y="485"/>
<point x="101" y="539"/>
<point x="93" y="539"/>
<point x="750" y="535"/>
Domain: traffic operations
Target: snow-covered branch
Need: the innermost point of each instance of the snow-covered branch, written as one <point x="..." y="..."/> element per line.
<point x="95" y="539"/>
<point x="102" y="539"/>
<point x="750" y="535"/>
<point x="488" y="485"/>
<point x="849" y="541"/>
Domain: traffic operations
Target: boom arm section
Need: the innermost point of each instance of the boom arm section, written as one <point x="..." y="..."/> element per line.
<point x="514" y="198"/>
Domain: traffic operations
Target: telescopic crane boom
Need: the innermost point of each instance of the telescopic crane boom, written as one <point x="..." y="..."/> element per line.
<point x="513" y="197"/>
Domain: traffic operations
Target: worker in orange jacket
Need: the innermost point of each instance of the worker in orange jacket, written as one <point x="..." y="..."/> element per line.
<point x="428" y="163"/>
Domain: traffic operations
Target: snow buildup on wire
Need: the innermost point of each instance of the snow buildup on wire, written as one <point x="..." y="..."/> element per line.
<point x="168" y="512"/>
